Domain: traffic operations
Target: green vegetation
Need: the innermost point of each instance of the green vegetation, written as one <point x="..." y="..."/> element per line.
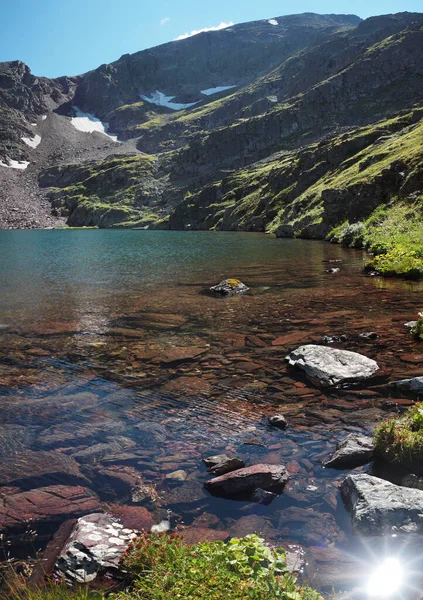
<point x="417" y="331"/>
<point x="400" y="439"/>
<point x="162" y="566"/>
<point x="393" y="234"/>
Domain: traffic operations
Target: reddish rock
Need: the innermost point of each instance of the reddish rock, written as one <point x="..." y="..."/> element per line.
<point x="248" y="479"/>
<point x="411" y="358"/>
<point x="187" y="385"/>
<point x="236" y="340"/>
<point x="47" y="504"/>
<point x="252" y="524"/>
<point x="40" y="469"/>
<point x="196" y="535"/>
<point x="254" y="341"/>
<point x="179" y="355"/>
<point x="133" y="517"/>
<point x="290" y="338"/>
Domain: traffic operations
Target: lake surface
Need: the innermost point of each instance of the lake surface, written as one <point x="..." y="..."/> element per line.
<point x="112" y="356"/>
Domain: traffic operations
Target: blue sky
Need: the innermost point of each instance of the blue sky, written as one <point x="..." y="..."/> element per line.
<point x="57" y="37"/>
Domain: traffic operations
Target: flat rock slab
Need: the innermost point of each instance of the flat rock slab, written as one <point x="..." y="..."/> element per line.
<point x="45" y="505"/>
<point x="329" y="366"/>
<point x="379" y="507"/>
<point x="95" y="546"/>
<point x="248" y="479"/>
<point x="221" y="464"/>
<point x="415" y="384"/>
<point x="353" y="451"/>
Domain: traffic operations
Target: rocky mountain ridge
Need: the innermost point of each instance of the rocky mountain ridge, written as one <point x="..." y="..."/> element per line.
<point x="230" y="129"/>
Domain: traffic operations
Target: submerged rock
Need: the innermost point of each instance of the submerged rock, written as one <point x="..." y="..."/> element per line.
<point x="221" y="464"/>
<point x="379" y="507"/>
<point x="262" y="476"/>
<point x="353" y="451"/>
<point x="278" y="421"/>
<point x="262" y="497"/>
<point x="330" y="366"/>
<point x="229" y="287"/>
<point x="95" y="547"/>
<point x="46" y="505"/>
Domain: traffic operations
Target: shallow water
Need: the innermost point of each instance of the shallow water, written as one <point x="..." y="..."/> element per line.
<point x="111" y="354"/>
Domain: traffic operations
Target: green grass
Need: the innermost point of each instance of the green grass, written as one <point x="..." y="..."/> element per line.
<point x="400" y="440"/>
<point x="393" y="234"/>
<point x="162" y="566"/>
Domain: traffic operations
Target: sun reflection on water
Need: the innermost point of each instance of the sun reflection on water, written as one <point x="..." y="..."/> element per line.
<point x="386" y="580"/>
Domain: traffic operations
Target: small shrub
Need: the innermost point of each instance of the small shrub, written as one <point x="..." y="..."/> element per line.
<point x="352" y="235"/>
<point x="400" y="439"/>
<point x="417" y="331"/>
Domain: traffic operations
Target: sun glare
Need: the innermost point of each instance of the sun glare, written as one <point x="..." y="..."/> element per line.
<point x="386" y="580"/>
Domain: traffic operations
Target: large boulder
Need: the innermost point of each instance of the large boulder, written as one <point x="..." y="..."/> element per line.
<point x="95" y="547"/>
<point x="248" y="479"/>
<point x="353" y="451"/>
<point x="229" y="287"/>
<point x="379" y="507"/>
<point x="329" y="366"/>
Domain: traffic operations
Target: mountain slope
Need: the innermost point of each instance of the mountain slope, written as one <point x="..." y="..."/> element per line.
<point x="251" y="127"/>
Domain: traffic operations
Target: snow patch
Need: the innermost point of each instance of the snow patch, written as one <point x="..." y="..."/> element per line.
<point x="216" y="90"/>
<point x="32" y="142"/>
<point x="161" y="99"/>
<point x="15" y="164"/>
<point x="89" y="123"/>
<point x="197" y="31"/>
<point x="44" y="117"/>
<point x="273" y="22"/>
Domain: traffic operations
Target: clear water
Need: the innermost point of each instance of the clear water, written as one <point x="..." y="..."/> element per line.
<point x="90" y="321"/>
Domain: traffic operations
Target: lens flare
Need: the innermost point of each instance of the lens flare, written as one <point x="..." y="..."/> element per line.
<point x="386" y="580"/>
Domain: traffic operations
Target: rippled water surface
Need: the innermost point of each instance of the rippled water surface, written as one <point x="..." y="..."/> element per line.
<point x="112" y="356"/>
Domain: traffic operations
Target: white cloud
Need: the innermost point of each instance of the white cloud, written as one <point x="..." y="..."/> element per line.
<point x="164" y="21"/>
<point x="196" y="31"/>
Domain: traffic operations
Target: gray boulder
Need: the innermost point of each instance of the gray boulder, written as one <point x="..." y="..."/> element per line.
<point x="95" y="547"/>
<point x="415" y="384"/>
<point x="229" y="287"/>
<point x="266" y="477"/>
<point x="353" y="451"/>
<point x="379" y="507"/>
<point x="329" y="366"/>
<point x="221" y="464"/>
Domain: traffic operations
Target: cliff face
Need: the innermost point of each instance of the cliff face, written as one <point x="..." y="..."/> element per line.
<point x="251" y="127"/>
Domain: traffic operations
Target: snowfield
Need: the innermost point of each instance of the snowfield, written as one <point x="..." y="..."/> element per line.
<point x="273" y="22"/>
<point x="160" y="99"/>
<point x="89" y="123"/>
<point x="216" y="90"/>
<point x="15" y="164"/>
<point x="32" y="142"/>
